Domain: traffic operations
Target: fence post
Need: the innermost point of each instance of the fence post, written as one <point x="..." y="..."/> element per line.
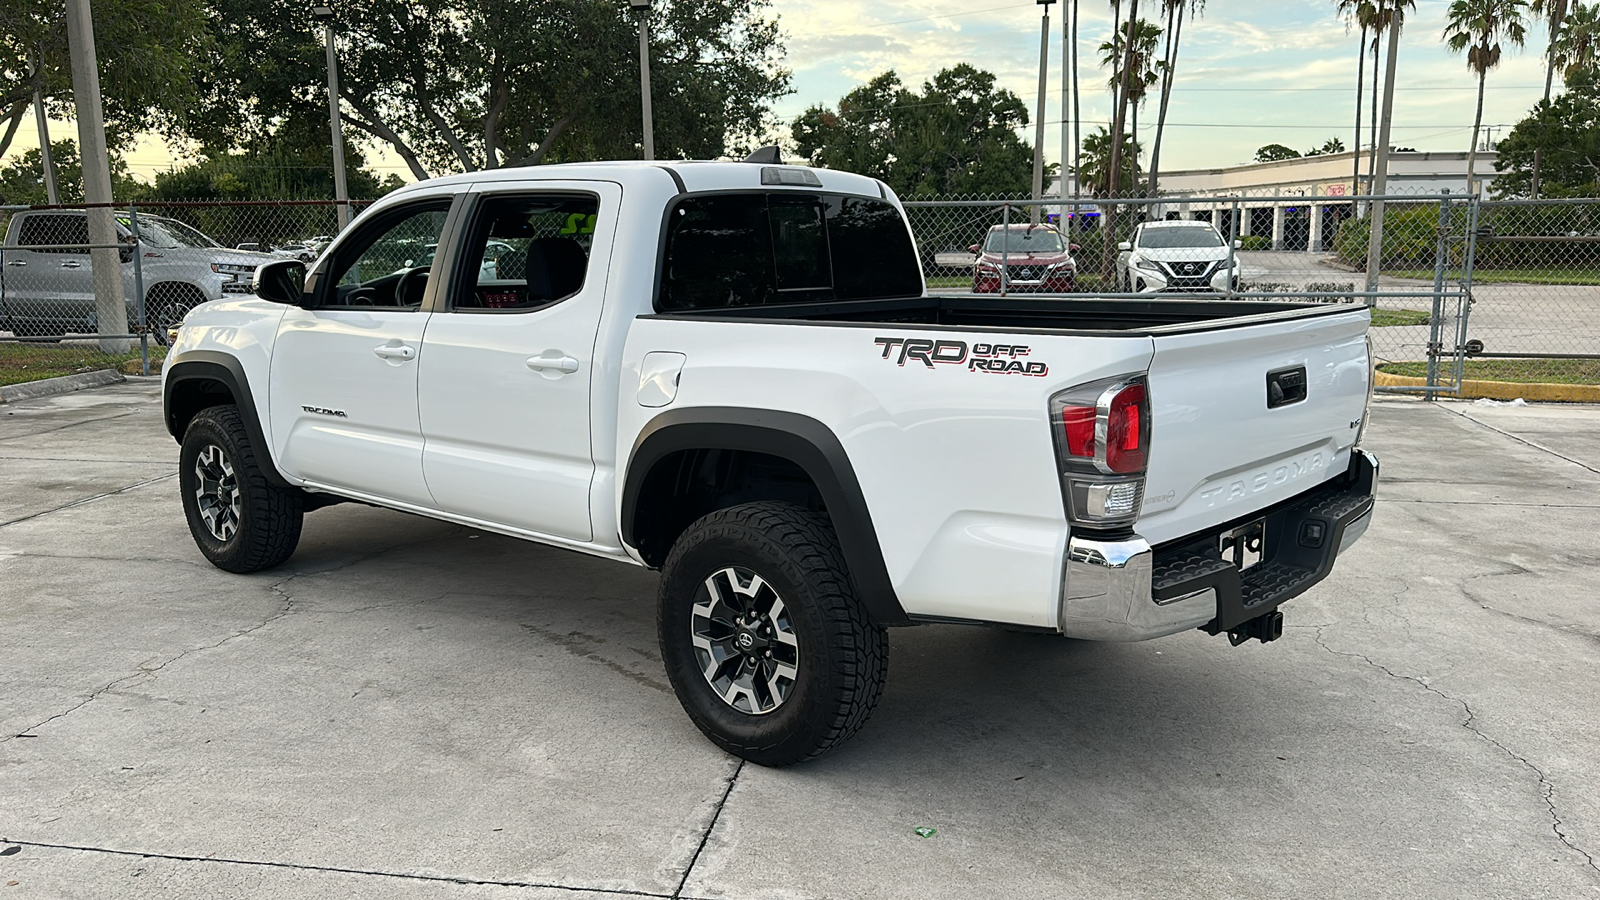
<point x="1233" y="239"/>
<point x="1005" y="247"/>
<point x="1474" y="207"/>
<point x="138" y="291"/>
<point x="1441" y="257"/>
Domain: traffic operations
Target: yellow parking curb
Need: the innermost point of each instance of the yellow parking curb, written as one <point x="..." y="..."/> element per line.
<point x="1506" y="390"/>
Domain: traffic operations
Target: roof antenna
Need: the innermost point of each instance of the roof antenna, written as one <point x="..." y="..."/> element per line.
<point x="768" y="155"/>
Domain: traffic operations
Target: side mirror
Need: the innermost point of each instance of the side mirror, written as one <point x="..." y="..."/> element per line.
<point x="1073" y="248"/>
<point x="281" y="281"/>
<point x="1238" y="245"/>
<point x="973" y="249"/>
<point x="125" y="253"/>
<point x="1124" y="245"/>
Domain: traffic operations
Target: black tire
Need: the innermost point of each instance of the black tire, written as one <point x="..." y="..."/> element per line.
<point x="265" y="518"/>
<point x="841" y="658"/>
<point x="166" y="305"/>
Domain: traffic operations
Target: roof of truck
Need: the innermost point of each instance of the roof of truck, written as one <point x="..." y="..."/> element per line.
<point x="687" y="175"/>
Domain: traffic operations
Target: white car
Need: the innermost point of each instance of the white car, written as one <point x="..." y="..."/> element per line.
<point x="1177" y="256"/>
<point x="732" y="373"/>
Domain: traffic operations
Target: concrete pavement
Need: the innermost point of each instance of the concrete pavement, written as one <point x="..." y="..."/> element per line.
<point x="410" y="709"/>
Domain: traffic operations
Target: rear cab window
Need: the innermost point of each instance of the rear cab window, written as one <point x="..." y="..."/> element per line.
<point x="765" y="248"/>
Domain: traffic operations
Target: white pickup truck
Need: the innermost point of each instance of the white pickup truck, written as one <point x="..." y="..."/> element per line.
<point x="731" y="372"/>
<point x="47" y="280"/>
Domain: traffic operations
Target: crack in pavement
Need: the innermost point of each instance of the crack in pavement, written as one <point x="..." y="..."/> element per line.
<point x="84" y="500"/>
<point x="341" y="870"/>
<point x="1522" y="440"/>
<point x="1547" y="788"/>
<point x="17" y="437"/>
<point x="711" y="826"/>
<point x="145" y="671"/>
<point x="577" y="643"/>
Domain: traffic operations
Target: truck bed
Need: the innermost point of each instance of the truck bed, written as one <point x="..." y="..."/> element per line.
<point x="1064" y="315"/>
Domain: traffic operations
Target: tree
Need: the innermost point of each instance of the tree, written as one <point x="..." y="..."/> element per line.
<point x="148" y="51"/>
<point x="1384" y="12"/>
<point x="1143" y="73"/>
<point x="1565" y="132"/>
<point x="1275" y="152"/>
<point x="1331" y="145"/>
<point x="22" y="180"/>
<point x="294" y="162"/>
<point x="453" y="85"/>
<point x="1577" y="49"/>
<point x="1095" y="176"/>
<point x="957" y="136"/>
<point x="1478" y="27"/>
<point x="1359" y="13"/>
<point x="1169" y="69"/>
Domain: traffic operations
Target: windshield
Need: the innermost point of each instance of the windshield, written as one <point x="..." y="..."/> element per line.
<point x="165" y="234"/>
<point x="1040" y="240"/>
<point x="1170" y="238"/>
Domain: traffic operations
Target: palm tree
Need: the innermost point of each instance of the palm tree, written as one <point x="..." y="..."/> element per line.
<point x="1578" y="46"/>
<point x="1358" y="12"/>
<point x="1096" y="174"/>
<point x="1119" y="96"/>
<point x="1478" y="27"/>
<point x="1384" y="13"/>
<point x="1553" y="11"/>
<point x="1169" y="65"/>
<point x="1114" y="53"/>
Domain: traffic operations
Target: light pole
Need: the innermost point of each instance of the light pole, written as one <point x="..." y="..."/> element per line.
<point x="1038" y="131"/>
<point x="341" y="194"/>
<point x="641" y="8"/>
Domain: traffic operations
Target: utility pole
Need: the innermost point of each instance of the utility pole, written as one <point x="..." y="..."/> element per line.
<point x="1066" y="143"/>
<point x="52" y="196"/>
<point x="641" y="8"/>
<point x="111" y="313"/>
<point x="1038" y="130"/>
<point x="341" y="194"/>
<point x="1380" y="166"/>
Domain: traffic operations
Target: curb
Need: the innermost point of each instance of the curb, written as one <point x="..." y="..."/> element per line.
<point x="1506" y="390"/>
<point x="64" y="384"/>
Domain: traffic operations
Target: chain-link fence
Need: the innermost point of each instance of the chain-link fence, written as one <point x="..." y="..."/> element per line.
<point x="70" y="303"/>
<point x="1460" y="288"/>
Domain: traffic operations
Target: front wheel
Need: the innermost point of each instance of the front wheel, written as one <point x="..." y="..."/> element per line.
<point x="240" y="521"/>
<point x="764" y="641"/>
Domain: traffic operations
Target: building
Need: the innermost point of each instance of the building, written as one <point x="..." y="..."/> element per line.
<point x="1299" y="203"/>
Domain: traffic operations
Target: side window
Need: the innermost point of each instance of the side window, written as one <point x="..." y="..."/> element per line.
<point x="64" y="234"/>
<point x="525" y="251"/>
<point x="386" y="264"/>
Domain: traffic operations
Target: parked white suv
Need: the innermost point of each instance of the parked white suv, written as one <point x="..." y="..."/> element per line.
<point x="47" y="280"/>
<point x="1176" y="256"/>
<point x="731" y="372"/>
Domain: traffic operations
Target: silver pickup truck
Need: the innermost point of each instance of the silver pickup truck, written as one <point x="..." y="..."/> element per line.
<point x="47" y="281"/>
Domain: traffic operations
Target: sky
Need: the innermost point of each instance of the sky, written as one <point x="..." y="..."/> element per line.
<point x="1251" y="72"/>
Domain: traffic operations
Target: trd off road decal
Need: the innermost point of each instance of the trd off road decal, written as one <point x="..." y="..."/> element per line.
<point x="996" y="359"/>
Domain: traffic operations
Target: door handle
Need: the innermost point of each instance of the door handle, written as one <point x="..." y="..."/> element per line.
<point x="389" y="351"/>
<point x="17" y="262"/>
<point x="72" y="264"/>
<point x="564" y="364"/>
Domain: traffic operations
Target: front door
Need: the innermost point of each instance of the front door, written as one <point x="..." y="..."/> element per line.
<point x="507" y="366"/>
<point x="343" y="389"/>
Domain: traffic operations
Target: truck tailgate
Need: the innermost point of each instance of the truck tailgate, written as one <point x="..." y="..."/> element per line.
<point x="1255" y="415"/>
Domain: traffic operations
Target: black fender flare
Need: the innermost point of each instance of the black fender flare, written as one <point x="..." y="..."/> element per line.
<point x="211" y="365"/>
<point x="807" y="443"/>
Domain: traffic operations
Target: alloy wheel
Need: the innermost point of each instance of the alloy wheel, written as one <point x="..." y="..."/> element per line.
<point x="744" y="641"/>
<point x="217" y="493"/>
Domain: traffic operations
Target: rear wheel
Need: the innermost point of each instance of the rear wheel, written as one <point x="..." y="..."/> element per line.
<point x="240" y="521"/>
<point x="764" y="641"/>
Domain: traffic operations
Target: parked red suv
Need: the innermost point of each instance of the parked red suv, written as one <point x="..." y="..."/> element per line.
<point x="1037" y="260"/>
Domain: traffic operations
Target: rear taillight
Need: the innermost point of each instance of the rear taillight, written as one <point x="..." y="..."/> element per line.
<point x="1102" y="433"/>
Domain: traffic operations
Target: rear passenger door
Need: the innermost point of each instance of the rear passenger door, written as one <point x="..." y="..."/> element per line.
<point x="508" y="364"/>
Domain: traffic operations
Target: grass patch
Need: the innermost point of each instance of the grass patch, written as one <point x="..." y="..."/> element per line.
<point x="1509" y="276"/>
<point x="23" y="362"/>
<point x="1528" y="371"/>
<point x="1388" y="318"/>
